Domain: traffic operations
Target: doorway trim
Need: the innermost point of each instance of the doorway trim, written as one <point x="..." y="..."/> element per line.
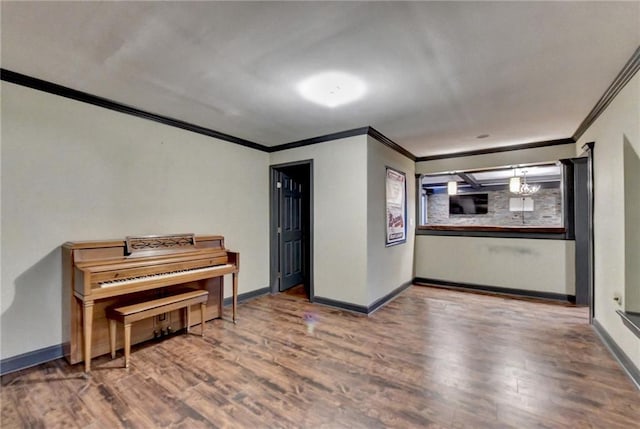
<point x="588" y="149"/>
<point x="578" y="218"/>
<point x="273" y="226"/>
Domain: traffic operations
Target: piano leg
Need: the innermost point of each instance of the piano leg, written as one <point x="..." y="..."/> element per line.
<point x="87" y="326"/>
<point x="221" y="298"/>
<point x="235" y="296"/>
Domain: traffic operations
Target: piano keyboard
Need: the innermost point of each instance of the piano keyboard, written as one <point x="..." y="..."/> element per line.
<point x="161" y="276"/>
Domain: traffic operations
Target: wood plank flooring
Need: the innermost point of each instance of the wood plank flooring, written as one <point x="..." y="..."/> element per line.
<point x="432" y="358"/>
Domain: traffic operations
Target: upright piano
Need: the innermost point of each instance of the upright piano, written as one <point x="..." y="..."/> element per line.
<point x="100" y="274"/>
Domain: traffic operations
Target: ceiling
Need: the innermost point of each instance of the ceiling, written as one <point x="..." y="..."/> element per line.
<point x="540" y="173"/>
<point x="437" y="74"/>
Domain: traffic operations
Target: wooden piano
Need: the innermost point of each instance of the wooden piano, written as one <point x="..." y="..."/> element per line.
<point x="100" y="274"/>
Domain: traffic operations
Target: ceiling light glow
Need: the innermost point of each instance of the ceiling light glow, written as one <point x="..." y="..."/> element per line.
<point x="332" y="88"/>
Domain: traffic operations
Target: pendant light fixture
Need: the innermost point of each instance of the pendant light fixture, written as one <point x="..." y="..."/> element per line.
<point x="527" y="189"/>
<point x="518" y="185"/>
<point x="452" y="187"/>
<point x="514" y="183"/>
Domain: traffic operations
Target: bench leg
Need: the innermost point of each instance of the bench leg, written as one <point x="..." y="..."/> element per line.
<point x="127" y="344"/>
<point x="203" y="307"/>
<point x="112" y="337"/>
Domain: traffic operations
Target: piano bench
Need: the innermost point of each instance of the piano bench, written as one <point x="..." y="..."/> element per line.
<point x="132" y="313"/>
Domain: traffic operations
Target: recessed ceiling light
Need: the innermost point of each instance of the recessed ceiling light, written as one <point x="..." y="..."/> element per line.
<point x="332" y="88"/>
<point x="482" y="136"/>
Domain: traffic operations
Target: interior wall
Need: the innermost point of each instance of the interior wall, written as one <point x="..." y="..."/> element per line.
<point x="631" y="229"/>
<point x="339" y="216"/>
<point x="72" y="171"/>
<point x="387" y="267"/>
<point x="515" y="263"/>
<point x="620" y="122"/>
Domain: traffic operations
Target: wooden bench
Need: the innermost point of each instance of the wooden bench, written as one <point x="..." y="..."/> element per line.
<point x="132" y="313"/>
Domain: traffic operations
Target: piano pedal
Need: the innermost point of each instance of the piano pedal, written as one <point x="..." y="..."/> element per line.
<point x="156" y="334"/>
<point x="169" y="330"/>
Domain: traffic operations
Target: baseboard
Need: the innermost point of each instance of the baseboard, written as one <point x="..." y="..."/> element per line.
<point x="627" y="365"/>
<point x="37" y="357"/>
<point x="363" y="309"/>
<point x="388" y="297"/>
<point x="631" y="320"/>
<point x="495" y="289"/>
<point x="29" y="359"/>
<point x="248" y="295"/>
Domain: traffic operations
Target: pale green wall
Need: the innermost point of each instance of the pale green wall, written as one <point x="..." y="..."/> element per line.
<point x="631" y="227"/>
<point x="387" y="267"/>
<point x="517" y="263"/>
<point x="351" y="262"/>
<point x="613" y="251"/>
<point x="73" y="171"/>
<point x="339" y="216"/>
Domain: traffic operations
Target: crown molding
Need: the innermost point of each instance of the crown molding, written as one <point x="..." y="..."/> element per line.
<point x="390" y="143"/>
<point x="320" y="139"/>
<point x="533" y="145"/>
<point x="369" y="130"/>
<point x="626" y="74"/>
<point x="63" y="91"/>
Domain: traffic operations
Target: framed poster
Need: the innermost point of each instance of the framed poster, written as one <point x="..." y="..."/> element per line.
<point x="396" y="198"/>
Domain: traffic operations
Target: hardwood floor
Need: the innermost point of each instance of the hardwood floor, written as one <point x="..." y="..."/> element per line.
<point x="431" y="358"/>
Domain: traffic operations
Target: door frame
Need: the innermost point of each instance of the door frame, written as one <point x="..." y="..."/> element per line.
<point x="588" y="149"/>
<point x="274" y="255"/>
<point x="582" y="229"/>
<point x="586" y="246"/>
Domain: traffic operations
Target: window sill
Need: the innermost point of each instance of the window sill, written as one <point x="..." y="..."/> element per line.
<point x="541" y="232"/>
<point x="631" y="321"/>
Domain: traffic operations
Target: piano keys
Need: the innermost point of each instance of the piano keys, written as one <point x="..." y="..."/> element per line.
<point x="162" y="276"/>
<point x="99" y="274"/>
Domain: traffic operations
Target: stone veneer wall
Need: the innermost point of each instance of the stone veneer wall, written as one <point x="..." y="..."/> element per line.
<point x="547" y="210"/>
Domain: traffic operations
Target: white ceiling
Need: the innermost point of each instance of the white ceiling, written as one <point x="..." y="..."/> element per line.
<point x="498" y="176"/>
<point x="438" y="74"/>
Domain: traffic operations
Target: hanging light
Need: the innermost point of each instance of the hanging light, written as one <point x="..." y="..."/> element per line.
<point x="514" y="183"/>
<point x="527" y="189"/>
<point x="518" y="185"/>
<point x="452" y="187"/>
